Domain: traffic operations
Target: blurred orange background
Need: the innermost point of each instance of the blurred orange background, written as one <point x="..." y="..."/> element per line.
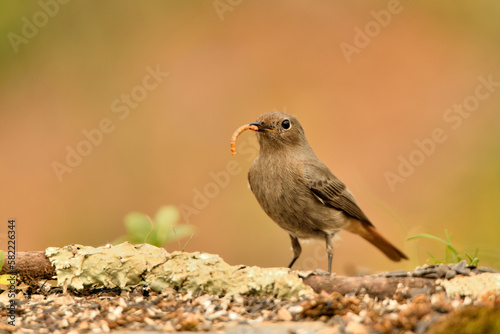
<point x="159" y="87"/>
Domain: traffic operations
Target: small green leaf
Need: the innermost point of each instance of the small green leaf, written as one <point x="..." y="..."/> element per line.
<point x="1" y="259"/>
<point x="158" y="232"/>
<point x="166" y="218"/>
<point x="167" y="215"/>
<point x="179" y="232"/>
<point x="154" y="237"/>
<point x="473" y="260"/>
<point x="138" y="226"/>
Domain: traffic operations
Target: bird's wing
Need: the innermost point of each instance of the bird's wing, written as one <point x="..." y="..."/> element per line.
<point x="330" y="191"/>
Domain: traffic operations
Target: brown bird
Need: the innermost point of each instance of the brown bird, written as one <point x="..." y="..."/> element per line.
<point x="301" y="194"/>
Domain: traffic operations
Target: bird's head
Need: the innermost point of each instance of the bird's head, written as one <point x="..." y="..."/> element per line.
<point x="279" y="130"/>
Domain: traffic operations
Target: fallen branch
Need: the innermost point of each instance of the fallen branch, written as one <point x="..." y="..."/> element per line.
<point x="30" y="265"/>
<point x="36" y="266"/>
<point x="381" y="287"/>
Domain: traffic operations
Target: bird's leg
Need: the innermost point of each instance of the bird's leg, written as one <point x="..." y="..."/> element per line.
<point x="296" y="250"/>
<point x="329" y="251"/>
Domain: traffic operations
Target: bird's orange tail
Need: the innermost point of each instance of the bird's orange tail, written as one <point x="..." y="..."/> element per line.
<point x="370" y="234"/>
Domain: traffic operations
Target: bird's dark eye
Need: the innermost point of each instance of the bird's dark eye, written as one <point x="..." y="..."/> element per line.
<point x="285" y="124"/>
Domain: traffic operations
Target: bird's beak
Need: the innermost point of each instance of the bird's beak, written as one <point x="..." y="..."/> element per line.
<point x="262" y="127"/>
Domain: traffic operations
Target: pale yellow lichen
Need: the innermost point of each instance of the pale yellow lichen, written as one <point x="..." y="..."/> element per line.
<point x="79" y="266"/>
<point x="208" y="273"/>
<point x="109" y="266"/>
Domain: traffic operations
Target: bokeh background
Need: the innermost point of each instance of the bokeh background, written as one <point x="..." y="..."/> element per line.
<point x="63" y="65"/>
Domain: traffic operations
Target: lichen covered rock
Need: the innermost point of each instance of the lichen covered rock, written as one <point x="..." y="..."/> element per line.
<point x="109" y="266"/>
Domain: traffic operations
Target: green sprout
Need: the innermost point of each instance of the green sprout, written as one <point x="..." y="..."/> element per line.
<point x="161" y="230"/>
<point x="451" y="253"/>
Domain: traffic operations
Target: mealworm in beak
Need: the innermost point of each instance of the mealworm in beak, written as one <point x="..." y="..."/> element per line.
<point x="239" y="131"/>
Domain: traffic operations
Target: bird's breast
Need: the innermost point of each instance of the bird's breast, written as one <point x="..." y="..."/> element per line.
<point x="280" y="191"/>
<point x="287" y="200"/>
